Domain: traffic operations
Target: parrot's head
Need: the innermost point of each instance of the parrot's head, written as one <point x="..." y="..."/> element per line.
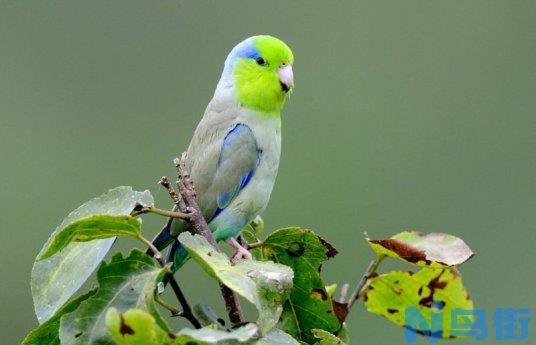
<point x="260" y="68"/>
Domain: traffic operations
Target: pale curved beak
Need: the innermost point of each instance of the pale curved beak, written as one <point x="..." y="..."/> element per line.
<point x="286" y="77"/>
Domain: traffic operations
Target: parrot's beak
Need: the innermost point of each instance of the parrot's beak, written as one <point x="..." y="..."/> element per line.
<point x="286" y="77"/>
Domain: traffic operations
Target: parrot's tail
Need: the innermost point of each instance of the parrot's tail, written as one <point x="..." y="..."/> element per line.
<point x="177" y="255"/>
<point x="163" y="239"/>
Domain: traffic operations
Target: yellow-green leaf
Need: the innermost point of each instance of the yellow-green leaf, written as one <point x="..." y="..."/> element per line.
<point x="136" y="327"/>
<point x="429" y="290"/>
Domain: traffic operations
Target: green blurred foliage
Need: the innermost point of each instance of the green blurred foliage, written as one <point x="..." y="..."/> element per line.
<point x="414" y="114"/>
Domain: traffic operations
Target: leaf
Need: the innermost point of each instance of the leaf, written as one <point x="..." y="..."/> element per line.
<point x="264" y="284"/>
<point x="93" y="228"/>
<point x="331" y="289"/>
<point x="136" y="327"/>
<point x="326" y="338"/>
<point x="430" y="290"/>
<point x="56" y="279"/>
<point x="431" y="250"/>
<point x="309" y="305"/>
<point x="208" y="335"/>
<point x="48" y="333"/>
<point x="124" y="283"/>
<point x="277" y="337"/>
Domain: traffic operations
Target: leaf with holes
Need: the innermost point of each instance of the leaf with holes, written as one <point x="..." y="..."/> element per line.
<point x="434" y="250"/>
<point x="309" y="305"/>
<point x="265" y="284"/>
<point x="430" y="291"/>
<point x="136" y="327"/>
<point x="55" y="279"/>
<point x="124" y="283"/>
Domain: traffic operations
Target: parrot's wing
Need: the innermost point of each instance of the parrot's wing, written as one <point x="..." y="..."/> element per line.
<point x="235" y="164"/>
<point x="239" y="157"/>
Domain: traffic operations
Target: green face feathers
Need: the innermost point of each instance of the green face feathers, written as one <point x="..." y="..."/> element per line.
<point x="262" y="73"/>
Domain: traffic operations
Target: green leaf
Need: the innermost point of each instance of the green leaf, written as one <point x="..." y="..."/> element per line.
<point x="124" y="283"/>
<point x="265" y="284"/>
<point x="436" y="250"/>
<point x="136" y="327"/>
<point x="277" y="337"/>
<point x="48" y="333"/>
<point x="430" y="290"/>
<point x="331" y="289"/>
<point x="56" y="279"/>
<point x="326" y="338"/>
<point x="309" y="305"/>
<point x="93" y="228"/>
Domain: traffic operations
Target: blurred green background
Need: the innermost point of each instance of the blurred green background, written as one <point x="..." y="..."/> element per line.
<point x="407" y="114"/>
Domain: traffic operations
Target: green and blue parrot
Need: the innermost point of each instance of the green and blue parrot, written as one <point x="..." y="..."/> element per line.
<point x="233" y="156"/>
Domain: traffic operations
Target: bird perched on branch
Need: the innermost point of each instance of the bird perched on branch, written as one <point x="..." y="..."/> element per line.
<point x="233" y="156"/>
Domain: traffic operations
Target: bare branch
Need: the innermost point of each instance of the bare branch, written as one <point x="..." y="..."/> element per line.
<point x="188" y="204"/>
<point x="164" y="182"/>
<point x="371" y="269"/>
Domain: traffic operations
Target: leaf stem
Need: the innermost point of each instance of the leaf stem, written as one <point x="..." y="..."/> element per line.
<point x="159" y="211"/>
<point x="174" y="311"/>
<point x="186" y="309"/>
<point x="255" y="245"/>
<point x="371" y="269"/>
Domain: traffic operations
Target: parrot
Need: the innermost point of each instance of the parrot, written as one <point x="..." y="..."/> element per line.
<point x="233" y="156"/>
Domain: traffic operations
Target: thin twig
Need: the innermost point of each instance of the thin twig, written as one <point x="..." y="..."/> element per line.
<point x="371" y="269"/>
<point x="188" y="204"/>
<point x="164" y="182"/>
<point x="186" y="309"/>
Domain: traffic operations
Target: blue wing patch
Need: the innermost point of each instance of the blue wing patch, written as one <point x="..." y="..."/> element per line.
<point x="238" y="160"/>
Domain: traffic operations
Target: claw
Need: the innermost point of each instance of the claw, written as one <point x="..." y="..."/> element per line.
<point x="240" y="252"/>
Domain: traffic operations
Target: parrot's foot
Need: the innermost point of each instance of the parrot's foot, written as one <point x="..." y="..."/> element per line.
<point x="240" y="252"/>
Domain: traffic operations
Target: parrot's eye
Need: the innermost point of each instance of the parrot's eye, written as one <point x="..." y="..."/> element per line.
<point x="261" y="61"/>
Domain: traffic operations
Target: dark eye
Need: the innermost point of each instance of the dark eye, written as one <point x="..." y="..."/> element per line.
<point x="261" y="61"/>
